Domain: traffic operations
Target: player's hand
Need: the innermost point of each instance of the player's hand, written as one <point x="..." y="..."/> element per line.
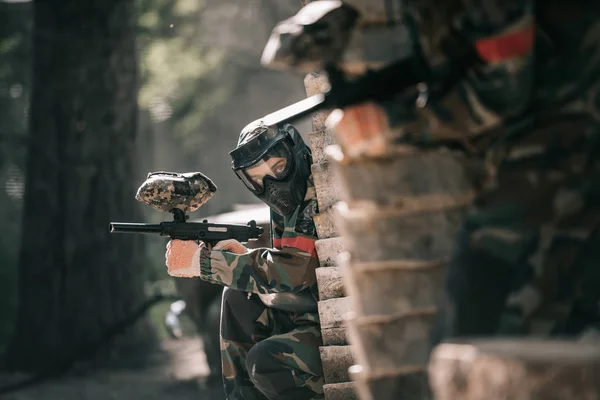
<point x="232" y="246"/>
<point x="183" y="258"/>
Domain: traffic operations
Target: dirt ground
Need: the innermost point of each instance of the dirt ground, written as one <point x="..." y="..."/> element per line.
<point x="174" y="373"/>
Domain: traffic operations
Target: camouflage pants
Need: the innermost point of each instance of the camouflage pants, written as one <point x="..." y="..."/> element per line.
<point x="268" y="353"/>
<point x="527" y="260"/>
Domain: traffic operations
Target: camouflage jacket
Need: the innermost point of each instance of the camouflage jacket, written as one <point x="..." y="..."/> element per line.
<point x="541" y="61"/>
<point x="284" y="277"/>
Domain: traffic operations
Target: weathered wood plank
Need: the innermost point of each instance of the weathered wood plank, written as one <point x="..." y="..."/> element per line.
<point x="403" y="177"/>
<point x="388" y="342"/>
<point x="340" y="391"/>
<point x="404" y="285"/>
<point x="328" y="250"/>
<point x="330" y="282"/>
<point x="376" y="234"/>
<point x="405" y="384"/>
<point x="531" y="369"/>
<point x="316" y="83"/>
<point x="318" y="140"/>
<point x="333" y="314"/>
<point x="325" y="223"/>
<point x="336" y="361"/>
<point x="335" y="336"/>
<point x="326" y="185"/>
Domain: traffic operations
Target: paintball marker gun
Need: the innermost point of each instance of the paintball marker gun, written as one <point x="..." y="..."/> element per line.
<point x="179" y="194"/>
<point x="316" y="38"/>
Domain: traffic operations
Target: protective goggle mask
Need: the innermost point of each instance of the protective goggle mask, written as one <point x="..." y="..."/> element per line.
<point x="276" y="163"/>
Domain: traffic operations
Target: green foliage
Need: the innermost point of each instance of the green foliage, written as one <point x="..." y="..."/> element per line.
<point x="179" y="72"/>
<point x="181" y="85"/>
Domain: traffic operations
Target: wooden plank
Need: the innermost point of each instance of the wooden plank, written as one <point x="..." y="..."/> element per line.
<point x="316" y="83"/>
<point x="326" y="185"/>
<point x="389" y="342"/>
<point x="336" y="361"/>
<point x="328" y="250"/>
<point x="524" y="368"/>
<point x="333" y="314"/>
<point x="335" y="336"/>
<point x="402" y="177"/>
<point x="340" y="391"/>
<point x="377" y="234"/>
<point x="325" y="223"/>
<point x="405" y="384"/>
<point x="330" y="282"/>
<point x="318" y="140"/>
<point x="405" y="285"/>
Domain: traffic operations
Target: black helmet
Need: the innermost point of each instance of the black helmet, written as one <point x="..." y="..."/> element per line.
<point x="274" y="163"/>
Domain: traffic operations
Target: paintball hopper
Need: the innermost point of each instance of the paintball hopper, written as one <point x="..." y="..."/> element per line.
<point x="316" y="36"/>
<point x="179" y="194"/>
<point x="165" y="191"/>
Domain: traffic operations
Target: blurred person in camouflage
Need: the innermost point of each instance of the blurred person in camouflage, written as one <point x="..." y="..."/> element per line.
<point x="527" y="259"/>
<point x="270" y="332"/>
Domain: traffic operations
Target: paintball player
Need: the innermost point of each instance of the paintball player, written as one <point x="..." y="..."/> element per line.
<point x="270" y="332"/>
<point x="526" y="261"/>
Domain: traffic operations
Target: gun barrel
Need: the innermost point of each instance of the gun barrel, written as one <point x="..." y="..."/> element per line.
<point x="296" y="111"/>
<point x="124" y="227"/>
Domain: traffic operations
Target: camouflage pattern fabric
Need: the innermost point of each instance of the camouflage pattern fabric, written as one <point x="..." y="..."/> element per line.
<point x="165" y="191"/>
<point x="268" y="353"/>
<point x="526" y="261"/>
<point x="270" y="332"/>
<point x="287" y="269"/>
<point x="517" y="86"/>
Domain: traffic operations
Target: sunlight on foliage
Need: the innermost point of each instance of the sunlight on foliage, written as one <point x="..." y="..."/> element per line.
<point x="9" y="44"/>
<point x="178" y="69"/>
<point x="148" y="19"/>
<point x="185" y="7"/>
<point x="170" y="65"/>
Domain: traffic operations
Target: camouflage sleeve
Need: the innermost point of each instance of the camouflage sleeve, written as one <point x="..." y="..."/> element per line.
<point x="501" y="32"/>
<point x="262" y="270"/>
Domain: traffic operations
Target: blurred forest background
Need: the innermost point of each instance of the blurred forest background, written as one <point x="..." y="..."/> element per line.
<point x="196" y="65"/>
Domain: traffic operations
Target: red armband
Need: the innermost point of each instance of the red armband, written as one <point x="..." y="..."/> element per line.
<point x="299" y="242"/>
<point x="507" y="45"/>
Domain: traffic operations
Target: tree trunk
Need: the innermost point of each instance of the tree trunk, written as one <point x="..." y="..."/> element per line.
<point x="76" y="280"/>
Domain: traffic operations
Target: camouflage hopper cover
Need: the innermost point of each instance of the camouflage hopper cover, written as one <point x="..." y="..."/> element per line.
<point x="165" y="191"/>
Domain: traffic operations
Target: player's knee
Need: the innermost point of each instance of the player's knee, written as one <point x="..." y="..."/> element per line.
<point x="261" y="359"/>
<point x="267" y="372"/>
